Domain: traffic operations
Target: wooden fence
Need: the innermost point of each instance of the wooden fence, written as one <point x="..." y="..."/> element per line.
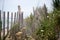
<point x="15" y="17"/>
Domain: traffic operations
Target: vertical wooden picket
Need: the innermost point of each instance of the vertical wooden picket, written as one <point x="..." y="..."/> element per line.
<point x="21" y="19"/>
<point x="15" y="18"/>
<point x="7" y="22"/>
<point x="4" y="25"/>
<point x="11" y="25"/>
<point x="0" y="28"/>
<point x="11" y="19"/>
<point x="0" y="14"/>
<point x="19" y="11"/>
<point x="20" y="14"/>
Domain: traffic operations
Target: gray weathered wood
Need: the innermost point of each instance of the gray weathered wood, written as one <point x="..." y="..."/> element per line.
<point x="0" y="19"/>
<point x="0" y="14"/>
<point x="15" y="18"/>
<point x="3" y="24"/>
<point x="21" y="19"/>
<point x="7" y="22"/>
<point x="11" y="19"/>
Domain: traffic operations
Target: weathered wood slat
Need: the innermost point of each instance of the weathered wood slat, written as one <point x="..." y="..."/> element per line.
<point x="3" y="24"/>
<point x="7" y="22"/>
<point x="0" y="28"/>
<point x="15" y="18"/>
<point x="11" y="19"/>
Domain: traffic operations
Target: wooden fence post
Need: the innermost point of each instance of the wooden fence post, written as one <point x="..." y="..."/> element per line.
<point x="11" y="25"/>
<point x="15" y="18"/>
<point x="19" y="11"/>
<point x="4" y="25"/>
<point x="0" y="25"/>
<point x="0" y="14"/>
<point x="7" y="22"/>
<point x="11" y="19"/>
<point x="21" y="19"/>
<point x="20" y="14"/>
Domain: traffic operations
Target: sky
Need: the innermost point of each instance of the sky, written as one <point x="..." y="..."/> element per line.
<point x="26" y="5"/>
